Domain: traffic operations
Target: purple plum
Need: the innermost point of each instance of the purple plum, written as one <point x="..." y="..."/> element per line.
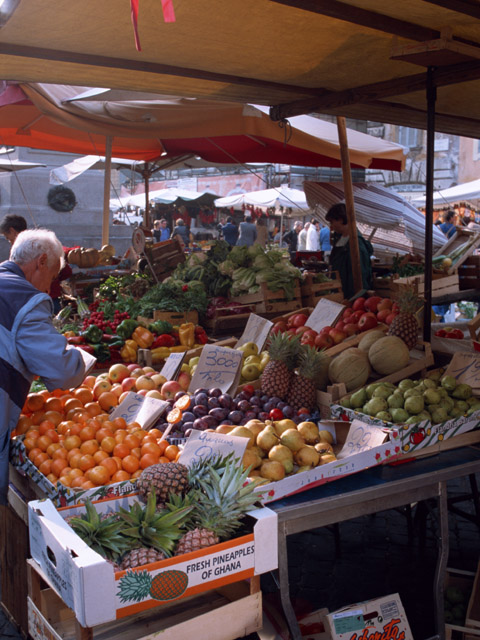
<point x="211" y="422"/>
<point x="268" y="406"/>
<point x="235" y="416"/>
<point x="213" y="402"/>
<point x="250" y="415"/>
<point x="201" y="398"/>
<point x="215" y="392"/>
<point x="200" y="410"/>
<point x="288" y="411"/>
<point x="187" y="425"/>
<point x="188" y="416"/>
<point x="200" y="424"/>
<point x="255" y="401"/>
<point x="218" y="413"/>
<point x="244" y="405"/>
<point x="201" y="390"/>
<point x="179" y="395"/>
<point x="263" y="415"/>
<point x="225" y="400"/>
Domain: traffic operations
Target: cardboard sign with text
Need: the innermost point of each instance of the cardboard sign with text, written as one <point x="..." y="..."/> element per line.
<point x="256" y="330"/>
<point x="205" y="444"/>
<point x="325" y="314"/>
<point x="465" y="367"/>
<point x="137" y="408"/>
<point x="218" y="367"/>
<point x="172" y="365"/>
<point x="361" y="437"/>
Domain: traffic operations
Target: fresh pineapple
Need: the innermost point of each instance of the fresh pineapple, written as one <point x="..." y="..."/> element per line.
<point x="302" y="390"/>
<point x="146" y="528"/>
<point x="103" y="533"/>
<point x="405" y="325"/>
<point x="220" y="504"/>
<point x="277" y="374"/>
<point x="164" y="479"/>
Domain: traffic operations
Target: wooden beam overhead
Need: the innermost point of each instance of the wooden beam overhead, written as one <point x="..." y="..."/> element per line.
<point x="466" y="7"/>
<point x="148" y="67"/>
<point x="355" y="15"/>
<point x="452" y="74"/>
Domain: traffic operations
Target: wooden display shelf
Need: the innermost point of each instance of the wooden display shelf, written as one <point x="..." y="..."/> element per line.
<point x="312" y="291"/>
<point x="226" y="613"/>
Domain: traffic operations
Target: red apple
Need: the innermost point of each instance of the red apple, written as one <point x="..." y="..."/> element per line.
<point x="347" y="313"/>
<point x="359" y="304"/>
<point x="367" y="321"/>
<point x="383" y="314"/>
<point x="326" y="329"/>
<point x="323" y="341"/>
<point x="128" y="383"/>
<point x="385" y="303"/>
<point x="132" y="366"/>
<point x="183" y="380"/>
<point x="301" y="330"/>
<point x="340" y="325"/>
<point x="142" y="392"/>
<point x="298" y="320"/>
<point x="337" y="336"/>
<point x="153" y="393"/>
<point x="371" y="304"/>
<point x="170" y="388"/>
<point x="279" y="327"/>
<point x="351" y="328"/>
<point x="395" y="307"/>
<point x="291" y="332"/>
<point x="144" y="382"/>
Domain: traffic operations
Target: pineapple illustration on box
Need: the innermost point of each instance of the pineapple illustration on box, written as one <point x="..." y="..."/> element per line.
<point x="135" y="586"/>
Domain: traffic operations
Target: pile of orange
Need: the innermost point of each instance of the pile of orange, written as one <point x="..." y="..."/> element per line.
<point x="70" y="439"/>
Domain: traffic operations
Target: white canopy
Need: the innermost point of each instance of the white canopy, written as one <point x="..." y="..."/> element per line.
<point x="77" y="167"/>
<point x="458" y="193"/>
<point x="165" y="196"/>
<point x="18" y="165"/>
<point x="383" y="216"/>
<point x="281" y="196"/>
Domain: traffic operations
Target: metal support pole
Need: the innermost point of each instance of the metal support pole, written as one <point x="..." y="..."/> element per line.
<point x="106" y="191"/>
<point x="146" y="178"/>
<point x="431" y="98"/>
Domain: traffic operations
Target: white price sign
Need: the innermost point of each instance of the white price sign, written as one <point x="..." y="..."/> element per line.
<point x="172" y="365"/>
<point x="218" y="367"/>
<point x="256" y="330"/>
<point x="465" y="367"/>
<point x="361" y="437"/>
<point x="205" y="444"/>
<point x="137" y="408"/>
<point x="325" y="314"/>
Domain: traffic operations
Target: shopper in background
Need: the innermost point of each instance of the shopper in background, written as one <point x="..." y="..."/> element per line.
<point x="11" y="226"/>
<point x="182" y="231"/>
<point x="302" y="238"/>
<point x="156" y="231"/>
<point x="325" y="244"/>
<point x="291" y="238"/>
<point x="262" y="232"/>
<point x="313" y="236"/>
<point x="30" y="345"/>
<point x="230" y="232"/>
<point x="340" y="258"/>
<point x="160" y="230"/>
<point x="247" y="232"/>
<point x="447" y="226"/>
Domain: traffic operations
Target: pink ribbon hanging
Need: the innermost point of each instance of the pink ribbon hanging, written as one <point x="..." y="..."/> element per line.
<point x="168" y="12"/>
<point x="134" y="15"/>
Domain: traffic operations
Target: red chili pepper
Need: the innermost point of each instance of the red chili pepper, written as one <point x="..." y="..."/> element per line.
<point x="87" y="348"/>
<point x="76" y="340"/>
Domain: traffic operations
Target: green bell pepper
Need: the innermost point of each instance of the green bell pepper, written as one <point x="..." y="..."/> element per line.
<point x="126" y="328"/>
<point x="93" y="334"/>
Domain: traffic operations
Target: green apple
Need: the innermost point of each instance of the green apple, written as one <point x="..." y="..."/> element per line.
<point x="249" y="349"/>
<point x="252" y="360"/>
<point x="185" y="367"/>
<point x="251" y="372"/>
<point x="193" y="361"/>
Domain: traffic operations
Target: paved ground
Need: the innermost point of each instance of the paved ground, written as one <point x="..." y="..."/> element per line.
<point x="376" y="556"/>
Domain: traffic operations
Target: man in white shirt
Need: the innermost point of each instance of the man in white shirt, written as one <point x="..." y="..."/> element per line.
<point x="313" y="236"/>
<point x="302" y="238"/>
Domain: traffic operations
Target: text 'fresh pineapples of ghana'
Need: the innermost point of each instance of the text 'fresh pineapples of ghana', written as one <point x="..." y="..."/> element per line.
<point x="220" y="503"/>
<point x="350" y="367"/>
<point x="276" y="376"/>
<point x="303" y="385"/>
<point x="388" y="355"/>
<point x="164" y="479"/>
<point x="405" y="325"/>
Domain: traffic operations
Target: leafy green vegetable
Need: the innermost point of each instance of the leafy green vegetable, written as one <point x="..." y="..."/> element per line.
<point x="170" y="296"/>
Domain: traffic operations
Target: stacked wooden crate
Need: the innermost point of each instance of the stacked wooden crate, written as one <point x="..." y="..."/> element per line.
<point x="312" y="291"/>
<point x="164" y="257"/>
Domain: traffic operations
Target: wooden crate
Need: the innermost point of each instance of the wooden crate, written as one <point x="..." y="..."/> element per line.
<point x="176" y="317"/>
<point x="271" y="303"/>
<point x="469" y="273"/>
<point x="223" y="614"/>
<point x="441" y="284"/>
<point x="313" y="291"/>
<point x="384" y="287"/>
<point x="164" y="257"/>
<point x="459" y="238"/>
<point x="231" y="323"/>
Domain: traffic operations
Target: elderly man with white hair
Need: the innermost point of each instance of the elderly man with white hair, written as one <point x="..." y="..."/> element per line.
<point x="29" y="343"/>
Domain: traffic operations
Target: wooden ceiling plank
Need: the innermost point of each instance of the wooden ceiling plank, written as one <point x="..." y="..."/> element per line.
<point x="444" y="76"/>
<point x="363" y="17"/>
<point x="471" y="9"/>
<point x="148" y="67"/>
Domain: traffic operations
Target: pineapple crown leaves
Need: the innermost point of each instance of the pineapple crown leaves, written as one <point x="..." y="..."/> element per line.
<point x="151" y="528"/>
<point x="284" y="348"/>
<point x="103" y="536"/>
<point x="204" y="466"/>
<point x="407" y="299"/>
<point x="310" y="362"/>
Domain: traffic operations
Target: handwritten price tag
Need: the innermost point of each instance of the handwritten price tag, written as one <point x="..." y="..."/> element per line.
<point x="218" y="367"/>
<point x="204" y="444"/>
<point x="465" y="367"/>
<point x="256" y="331"/>
<point x="137" y="408"/>
<point x="325" y="314"/>
<point x="361" y="437"/>
<point x="172" y="365"/>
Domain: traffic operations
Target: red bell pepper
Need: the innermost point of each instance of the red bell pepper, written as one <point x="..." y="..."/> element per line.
<point x="165" y="340"/>
<point x="76" y="340"/>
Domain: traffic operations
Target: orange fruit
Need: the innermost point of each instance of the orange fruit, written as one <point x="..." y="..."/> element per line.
<point x="43" y="442"/>
<point x="72" y="403"/>
<point x="120" y="435"/>
<point x="37" y="417"/>
<point x="130" y="463"/>
<point x="52" y="478"/>
<point x="134" y="425"/>
<point x="75" y="429"/>
<point x="76" y="482"/>
<point x="171" y="451"/>
<point x="46" y="467"/>
<point x="132" y="441"/>
<point x="23" y="424"/>
<point x="57" y="466"/>
<point x="30" y="443"/>
<point x="84" y="394"/>
<point x="102" y="433"/>
<point x="82" y="416"/>
<point x="119" y="423"/>
<point x="183" y="402"/>
<point x="61" y="453"/>
<point x="53" y="447"/>
<point x="99" y="475"/>
<point x="74" y="461"/>
<point x="90" y="381"/>
<point x="33" y="453"/>
<point x="120" y="476"/>
<point x="107" y="400"/>
<point x="156" y="433"/>
<point x="35" y="402"/>
<point x="73" y="452"/>
<point x="87" y="484"/>
<point x="108" y="444"/>
<point x="136" y="474"/>
<point x="53" y="404"/>
<point x="63" y="399"/>
<point x="163" y="459"/>
<point x="100" y="455"/>
<point x="54" y="416"/>
<point x="66" y="480"/>
<point x="72" y="442"/>
<point x="76" y="473"/>
<point x="39" y="458"/>
<point x="153" y="448"/>
<point x="86" y="462"/>
<point x="147" y="460"/>
<point x="110" y="465"/>
<point x="89" y="446"/>
<point x="87" y="433"/>
<point x="137" y="452"/>
<point x="93" y="408"/>
<point x="121" y="450"/>
<point x="141" y="434"/>
<point x="118" y="461"/>
<point x="44" y="426"/>
<point x="53" y="435"/>
<point x="174" y="416"/>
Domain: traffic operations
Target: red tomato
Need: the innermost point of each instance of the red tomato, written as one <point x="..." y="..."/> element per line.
<point x="367" y="321"/>
<point x="441" y="333"/>
<point x="276" y="414"/>
<point x="455" y="334"/>
<point x="359" y="304"/>
<point x="249" y="389"/>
